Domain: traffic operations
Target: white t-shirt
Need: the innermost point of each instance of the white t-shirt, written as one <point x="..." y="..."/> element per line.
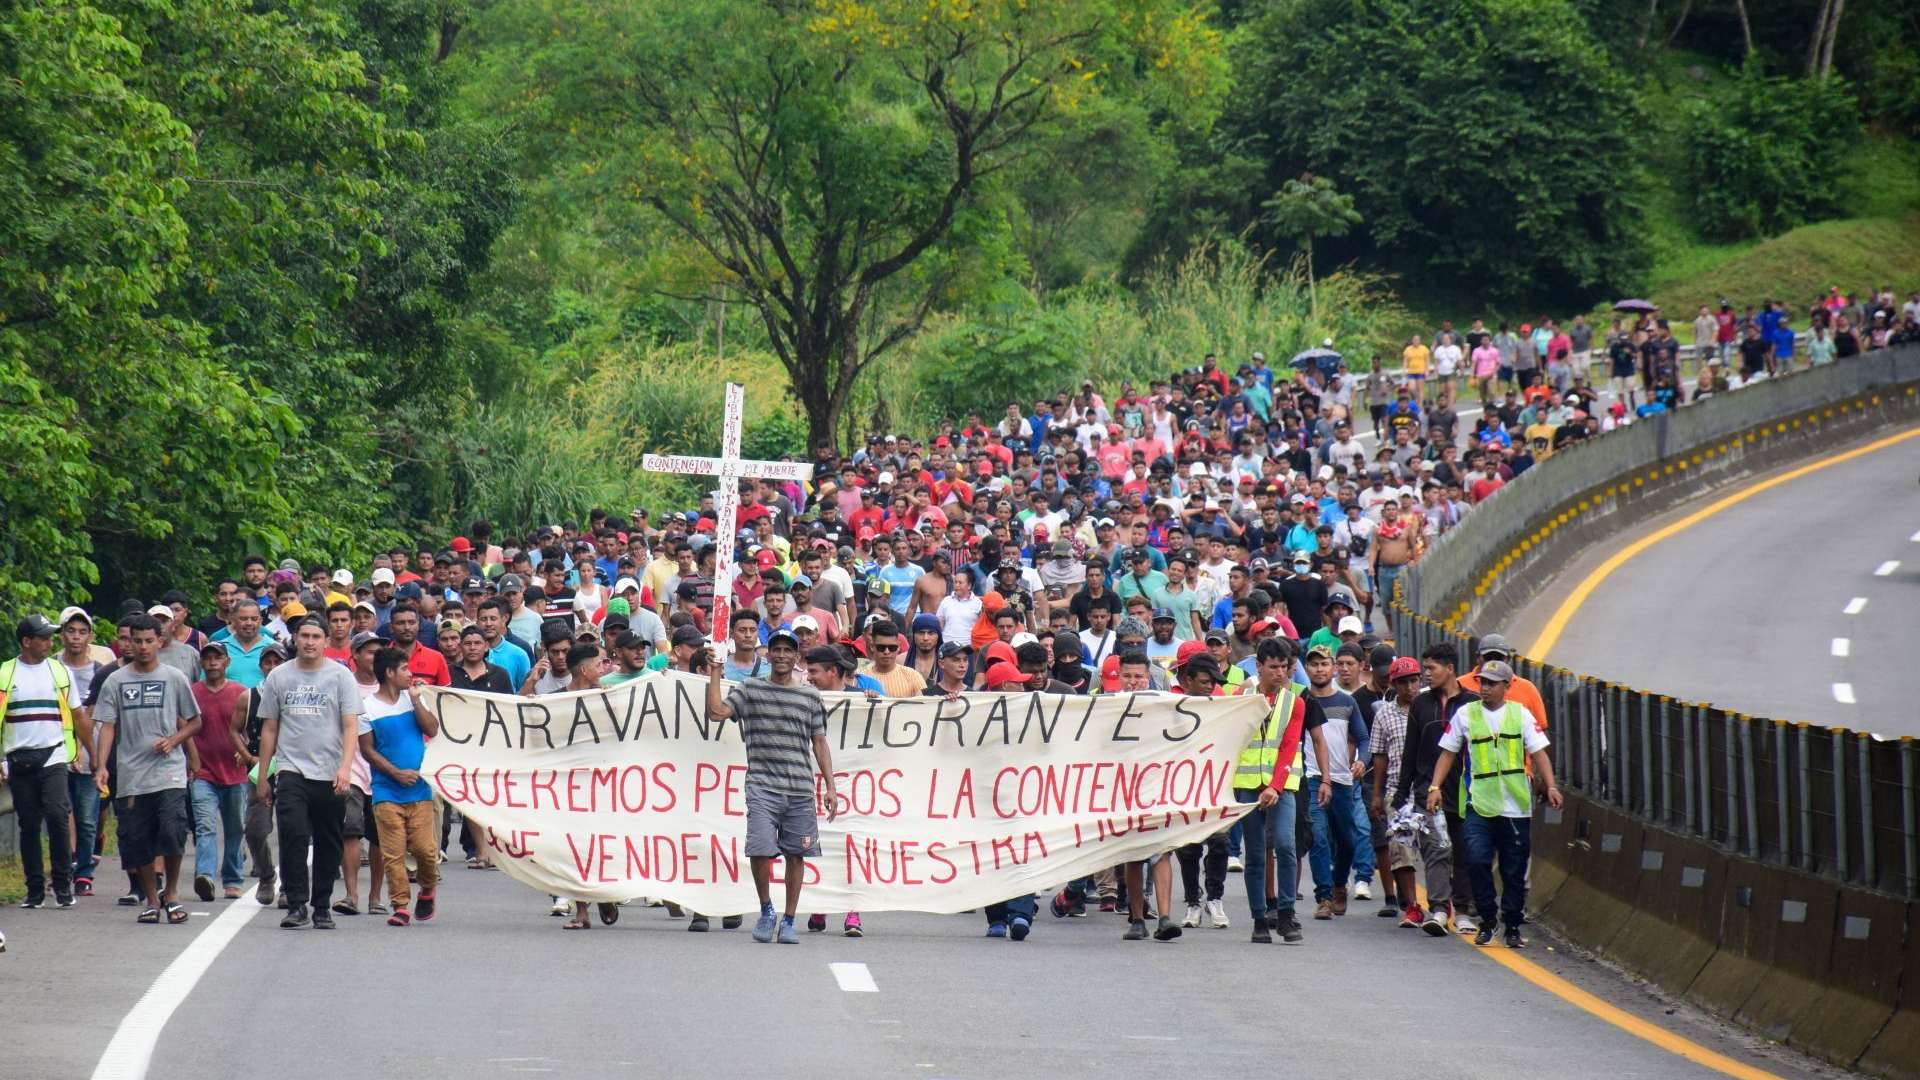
<point x="34" y="683"/>
<point x="1531" y="738"/>
<point x="1445" y="359"/>
<point x="957" y="617"/>
<point x="587" y="600"/>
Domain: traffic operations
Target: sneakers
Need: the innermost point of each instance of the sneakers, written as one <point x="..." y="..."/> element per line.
<point x="1022" y="926"/>
<point x="1108" y="906"/>
<point x="1412" y="917"/>
<point x="697" y="924"/>
<point x="203" y="887"/>
<point x="764" y="926"/>
<point x="560" y="907"/>
<point x="32" y="903"/>
<point x="1061" y="905"/>
<point x="1339" y="899"/>
<point x="998" y="929"/>
<point x="322" y="919"/>
<point x="264" y="894"/>
<point x="400" y="917"/>
<point x="62" y="900"/>
<point x="852" y="926"/>
<point x="1167" y="931"/>
<point x="1514" y="940"/>
<point x="1261" y="935"/>
<point x="1362" y="891"/>
<point x="133" y="899"/>
<point x="1323" y="910"/>
<point x="1434" y="925"/>
<point x="788" y="934"/>
<point x="816" y="923"/>
<point x="1235" y="865"/>
<point x="296" y="917"/>
<point x="82" y="886"/>
<point x="1136" y="931"/>
<point x="1289" y="930"/>
<point x="1484" y="937"/>
<point x="1390" y="907"/>
<point x="1193" y="917"/>
<point x="1217" y="914"/>
<point x="731" y="922"/>
<point x="426" y="904"/>
<point x="1464" y="924"/>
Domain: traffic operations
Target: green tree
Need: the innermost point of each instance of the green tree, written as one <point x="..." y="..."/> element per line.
<point x="1481" y="139"/>
<point x="827" y="163"/>
<point x="1764" y="152"/>
<point x="1307" y="207"/>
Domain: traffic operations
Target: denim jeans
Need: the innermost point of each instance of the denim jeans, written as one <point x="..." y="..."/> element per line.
<point x="85" y="799"/>
<point x="1005" y="910"/>
<point x="1339" y="830"/>
<point x="221" y="807"/>
<point x="1263" y="829"/>
<point x="1511" y="841"/>
<point x="1363" y="845"/>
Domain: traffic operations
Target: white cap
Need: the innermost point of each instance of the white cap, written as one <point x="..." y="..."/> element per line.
<point x="1022" y="638"/>
<point x="383" y="576"/>
<point x="1351" y="624"/>
<point x="366" y="605"/>
<point x="624" y="584"/>
<point x="343" y="577"/>
<point x="806" y="622"/>
<point x="67" y="615"/>
<point x="1325" y="473"/>
<point x="1198" y="468"/>
<point x="160" y="611"/>
<point x="1258" y="355"/>
<point x="883" y="478"/>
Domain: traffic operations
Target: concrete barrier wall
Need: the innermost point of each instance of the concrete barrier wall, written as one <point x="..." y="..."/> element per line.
<point x="1686" y="851"/>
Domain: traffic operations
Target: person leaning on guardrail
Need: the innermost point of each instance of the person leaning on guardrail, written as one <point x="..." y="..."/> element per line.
<point x="1496" y="804"/>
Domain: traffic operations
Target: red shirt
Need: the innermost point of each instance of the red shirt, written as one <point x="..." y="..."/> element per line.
<point x="214" y="740"/>
<point x="428" y="664"/>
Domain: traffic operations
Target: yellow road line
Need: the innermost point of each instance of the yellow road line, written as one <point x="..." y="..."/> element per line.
<point x="1550" y="634"/>
<point x="1633" y="1025"/>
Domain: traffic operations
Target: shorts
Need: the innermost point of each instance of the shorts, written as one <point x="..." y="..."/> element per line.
<point x="152" y="825"/>
<point x="1623" y="369"/>
<point x="1379" y="831"/>
<point x="1401" y="855"/>
<point x="354" y="826"/>
<point x="780" y="824"/>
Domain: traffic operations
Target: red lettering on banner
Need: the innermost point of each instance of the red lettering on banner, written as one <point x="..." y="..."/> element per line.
<point x="892" y="864"/>
<point x="706" y="780"/>
<point x="551" y="787"/>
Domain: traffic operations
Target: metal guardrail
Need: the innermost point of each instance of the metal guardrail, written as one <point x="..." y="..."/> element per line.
<point x="1839" y="804"/>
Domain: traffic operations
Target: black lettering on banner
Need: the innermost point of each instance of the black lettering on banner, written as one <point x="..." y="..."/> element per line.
<point x="446" y="731"/>
<point x="1080" y="732"/>
<point x="650" y="706"/>
<point x="683" y="704"/>
<point x="940" y="717"/>
<point x="1037" y="706"/>
<point x="1126" y="714"/>
<point x="582" y="717"/>
<point x="494" y="718"/>
<point x="997" y="714"/>
<point x="866" y="729"/>
<point x="886" y="728"/>
<point x="842" y="712"/>
<point x="620" y="721"/>
<point x="1184" y="707"/>
<point x="527" y="708"/>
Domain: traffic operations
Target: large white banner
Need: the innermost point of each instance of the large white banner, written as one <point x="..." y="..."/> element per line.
<point x="945" y="805"/>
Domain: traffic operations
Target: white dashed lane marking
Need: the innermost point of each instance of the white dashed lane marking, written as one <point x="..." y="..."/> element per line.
<point x="1887" y="568"/>
<point x="1841" y="646"/>
<point x="854" y="978"/>
<point x="1856" y="605"/>
<point x="1843" y="693"/>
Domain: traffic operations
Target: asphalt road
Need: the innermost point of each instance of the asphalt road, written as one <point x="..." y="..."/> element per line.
<point x="494" y="988"/>
<point x="1796" y="604"/>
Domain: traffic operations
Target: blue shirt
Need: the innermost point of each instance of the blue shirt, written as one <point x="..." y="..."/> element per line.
<point x="243" y="665"/>
<point x="396" y="735"/>
<point x="1039" y="424"/>
<point x="509" y="658"/>
<point x="1783" y="342"/>
<point x="900" y="581"/>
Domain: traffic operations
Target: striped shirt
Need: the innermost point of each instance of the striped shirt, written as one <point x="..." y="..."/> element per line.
<point x="33" y="711"/>
<point x="778" y="724"/>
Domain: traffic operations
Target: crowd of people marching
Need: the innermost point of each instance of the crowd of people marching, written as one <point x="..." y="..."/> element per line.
<point x="1214" y="532"/>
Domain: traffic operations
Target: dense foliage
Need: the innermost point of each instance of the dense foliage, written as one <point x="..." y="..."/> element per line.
<point x="1767" y="151"/>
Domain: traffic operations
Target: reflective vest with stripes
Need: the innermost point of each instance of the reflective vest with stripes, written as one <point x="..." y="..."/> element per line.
<point x="1496" y="761"/>
<point x="62" y="689"/>
<point x="1255" y="769"/>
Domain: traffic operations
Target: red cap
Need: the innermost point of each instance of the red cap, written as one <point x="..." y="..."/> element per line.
<point x="984" y="467"/>
<point x="999" y="653"/>
<point x="1258" y="625"/>
<point x="1402" y="667"/>
<point x="1110" y="673"/>
<point x="461" y="544"/>
<point x="1003" y="673"/>
<point x="1040" y="532"/>
<point x="767" y="559"/>
<point x="866" y="532"/>
<point x="1187" y="651"/>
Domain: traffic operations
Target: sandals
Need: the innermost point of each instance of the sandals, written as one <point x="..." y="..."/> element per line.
<point x="345" y="907"/>
<point x="150" y="915"/>
<point x="399" y="917"/>
<point x="424" y="905"/>
<point x="176" y="914"/>
<point x="376" y="908"/>
<point x="609" y="913"/>
<point x="578" y="924"/>
<point x="475" y="863"/>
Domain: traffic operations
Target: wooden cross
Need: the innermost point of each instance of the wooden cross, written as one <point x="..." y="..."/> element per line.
<point x="729" y="468"/>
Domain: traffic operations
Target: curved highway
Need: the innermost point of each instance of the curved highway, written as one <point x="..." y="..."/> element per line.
<point x="1799" y="603"/>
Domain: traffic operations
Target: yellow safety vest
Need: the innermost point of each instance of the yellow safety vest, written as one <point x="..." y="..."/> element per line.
<point x="62" y="688"/>
<point x="1255" y="769"/>
<point x="1496" y="761"/>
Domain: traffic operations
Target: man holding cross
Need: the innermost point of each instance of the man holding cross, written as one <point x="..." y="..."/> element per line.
<point x="781" y="717"/>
